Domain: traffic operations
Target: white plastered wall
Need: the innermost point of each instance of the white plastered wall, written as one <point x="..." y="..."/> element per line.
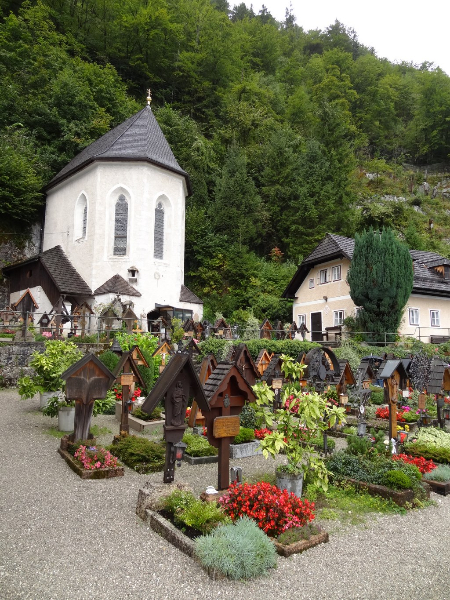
<point x="143" y="185"/>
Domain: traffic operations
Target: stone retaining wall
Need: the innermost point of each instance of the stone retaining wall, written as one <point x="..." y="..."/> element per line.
<point x="15" y="358"/>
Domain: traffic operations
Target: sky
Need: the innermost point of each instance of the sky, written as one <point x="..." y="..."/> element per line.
<point x="398" y="30"/>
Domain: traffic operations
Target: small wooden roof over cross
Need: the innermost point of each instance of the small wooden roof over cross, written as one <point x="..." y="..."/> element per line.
<point x="263" y="360"/>
<point x="394" y="367"/>
<point x="133" y="365"/>
<point x="87" y="377"/>
<point x="179" y="365"/>
<point x="439" y="376"/>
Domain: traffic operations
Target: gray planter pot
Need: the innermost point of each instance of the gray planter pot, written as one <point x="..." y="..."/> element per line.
<point x="291" y="483"/>
<point x="45" y="397"/>
<point x="66" y="418"/>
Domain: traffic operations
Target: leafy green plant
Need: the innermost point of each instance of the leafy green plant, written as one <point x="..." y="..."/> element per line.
<point x="188" y="511"/>
<point x="140" y="454"/>
<point x="440" y="473"/>
<point x="197" y="445"/>
<point x="239" y="551"/>
<point x="48" y="366"/>
<point x="245" y="435"/>
<point x="55" y="403"/>
<point x="105" y="406"/>
<point x="376" y="395"/>
<point x="294" y="434"/>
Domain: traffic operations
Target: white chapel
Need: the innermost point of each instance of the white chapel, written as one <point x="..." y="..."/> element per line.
<point x="115" y="215"/>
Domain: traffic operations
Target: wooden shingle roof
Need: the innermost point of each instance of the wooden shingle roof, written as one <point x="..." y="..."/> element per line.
<point x="437" y="371"/>
<point x="139" y="138"/>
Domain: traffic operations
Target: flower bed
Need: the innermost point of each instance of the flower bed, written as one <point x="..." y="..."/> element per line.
<point x="273" y="509"/>
<point x="90" y="462"/>
<point x="424" y="465"/>
<point x="298" y="547"/>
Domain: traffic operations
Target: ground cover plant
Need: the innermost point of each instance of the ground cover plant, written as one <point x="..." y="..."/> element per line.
<point x="139" y="453"/>
<point x="90" y="456"/>
<point x="245" y="435"/>
<point x="440" y="473"/>
<point x="154" y="416"/>
<point x="239" y="551"/>
<point x="347" y="505"/>
<point x="298" y="534"/>
<point x="198" y="445"/>
<point x="431" y="443"/>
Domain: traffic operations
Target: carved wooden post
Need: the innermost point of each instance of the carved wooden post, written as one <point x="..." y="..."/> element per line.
<point x="86" y="380"/>
<point x="391" y="390"/>
<point x="126" y="381"/>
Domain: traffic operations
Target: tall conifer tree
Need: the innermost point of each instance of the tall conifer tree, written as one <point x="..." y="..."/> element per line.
<point x="381" y="280"/>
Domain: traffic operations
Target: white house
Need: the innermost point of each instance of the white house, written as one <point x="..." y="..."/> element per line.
<point x="117" y="213"/>
<point x="322" y="299"/>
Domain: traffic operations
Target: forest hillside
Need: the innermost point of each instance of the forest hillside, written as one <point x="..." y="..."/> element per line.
<point x="286" y="133"/>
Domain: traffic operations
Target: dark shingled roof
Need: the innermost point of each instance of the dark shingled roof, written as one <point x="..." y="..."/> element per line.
<point x="61" y="271"/>
<point x="426" y="279"/>
<point x="187" y="296"/>
<point x="117" y="285"/>
<point x="139" y="138"/>
<point x="216" y="378"/>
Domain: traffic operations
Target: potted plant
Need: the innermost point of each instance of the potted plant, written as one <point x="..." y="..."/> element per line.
<point x="48" y="366"/>
<point x="302" y="418"/>
<point x="64" y="409"/>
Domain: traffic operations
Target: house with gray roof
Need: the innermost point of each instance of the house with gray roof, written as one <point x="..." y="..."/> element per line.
<point x="115" y="221"/>
<point x="322" y="299"/>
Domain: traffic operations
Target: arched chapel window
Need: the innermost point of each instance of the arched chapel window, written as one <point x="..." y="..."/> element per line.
<point x="120" y="226"/>
<point x="80" y="221"/>
<point x="159" y="232"/>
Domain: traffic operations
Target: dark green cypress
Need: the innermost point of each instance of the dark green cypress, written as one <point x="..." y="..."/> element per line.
<point x="381" y="280"/>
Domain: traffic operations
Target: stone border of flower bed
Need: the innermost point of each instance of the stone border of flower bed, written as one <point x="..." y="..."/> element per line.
<point x="135" y="423"/>
<point x="399" y="497"/>
<point x="245" y="450"/>
<point x="90" y="473"/>
<point x="302" y="545"/>
<point x="200" y="460"/>
<point x="439" y="487"/>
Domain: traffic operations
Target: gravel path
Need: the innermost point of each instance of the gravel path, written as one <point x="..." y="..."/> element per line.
<point x="64" y="538"/>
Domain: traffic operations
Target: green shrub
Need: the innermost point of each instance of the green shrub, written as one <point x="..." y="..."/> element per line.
<point x="247" y="418"/>
<point x="239" y="551"/>
<point x="377" y="395"/>
<point x="177" y="501"/>
<point x="140" y="454"/>
<point x="197" y="445"/>
<point x="358" y="445"/>
<point x="440" y="473"/>
<point x="245" y="435"/>
<point x="109" y="359"/>
<point x="298" y="534"/>
<point x="188" y="511"/>
<point x="428" y="451"/>
<point x="105" y="406"/>
<point x="350" y="430"/>
<point x="397" y="480"/>
<point x="140" y="414"/>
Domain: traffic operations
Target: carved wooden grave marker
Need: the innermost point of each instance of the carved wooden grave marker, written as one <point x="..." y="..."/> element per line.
<point x="209" y="363"/>
<point x="395" y="379"/>
<point x="127" y="374"/>
<point x="227" y="391"/>
<point x="86" y="381"/>
<point x="178" y="382"/>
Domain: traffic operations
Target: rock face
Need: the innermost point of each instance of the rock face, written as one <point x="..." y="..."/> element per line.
<point x="152" y="494"/>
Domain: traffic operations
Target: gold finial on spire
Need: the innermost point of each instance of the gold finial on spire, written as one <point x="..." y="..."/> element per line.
<point x="149" y="96"/>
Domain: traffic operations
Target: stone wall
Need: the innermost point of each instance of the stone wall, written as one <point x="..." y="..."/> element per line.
<point x="15" y="359"/>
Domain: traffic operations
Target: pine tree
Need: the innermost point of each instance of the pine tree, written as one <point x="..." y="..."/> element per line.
<point x="381" y="280"/>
